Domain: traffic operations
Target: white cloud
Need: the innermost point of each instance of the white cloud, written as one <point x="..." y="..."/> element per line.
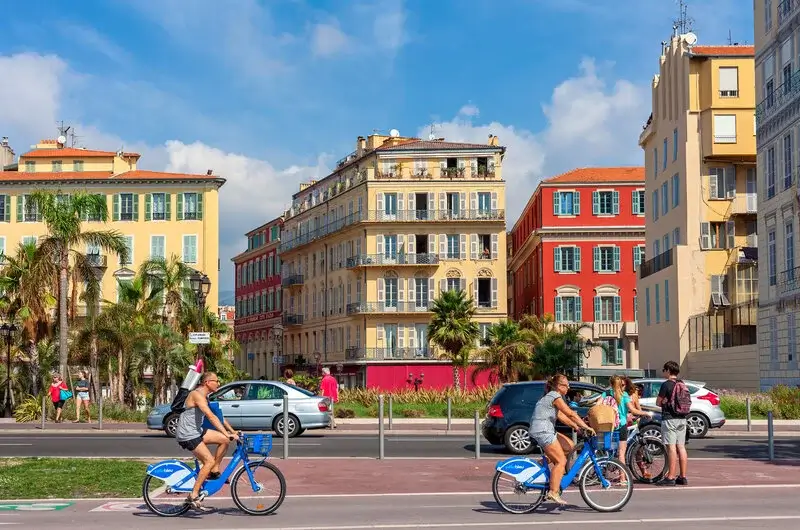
<point x="469" y="110"/>
<point x="93" y="41"/>
<point x="389" y="28"/>
<point x="328" y="40"/>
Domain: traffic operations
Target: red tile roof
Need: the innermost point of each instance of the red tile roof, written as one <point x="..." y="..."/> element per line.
<point x="415" y="144"/>
<point x="588" y="175"/>
<point x="39" y="176"/>
<point x="724" y="51"/>
<point x="72" y="152"/>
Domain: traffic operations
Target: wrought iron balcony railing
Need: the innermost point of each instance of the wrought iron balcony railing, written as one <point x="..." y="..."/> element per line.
<point x="660" y="262"/>
<point x="376" y="260"/>
<point x="357" y="353"/>
<point x="790" y="281"/>
<point x="293" y="279"/>
<point x="388" y="307"/>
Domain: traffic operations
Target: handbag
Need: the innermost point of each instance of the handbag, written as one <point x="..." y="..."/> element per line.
<point x="65" y="395"/>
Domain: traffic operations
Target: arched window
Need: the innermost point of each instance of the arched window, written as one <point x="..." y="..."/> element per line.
<point x="568" y="304"/>
<point x="607" y="304"/>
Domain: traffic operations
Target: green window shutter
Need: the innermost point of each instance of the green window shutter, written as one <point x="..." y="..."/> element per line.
<point x="557" y="259"/>
<point x="595" y="202"/>
<point x="597" y="312"/>
<point x="20" y="200"/>
<point x="616" y="259"/>
<point x="576" y="203"/>
<point x="115" y="208"/>
<point x="148" y="207"/>
<point x="135" y="206"/>
<point x="556" y="203"/>
<point x="597" y="263"/>
<point x="577" y="254"/>
<point x="199" y="206"/>
<point x="168" y="206"/>
<point x="615" y="202"/>
<point x="180" y="207"/>
<point x="558" y="309"/>
<point x="617" y="309"/>
<point x="7" y="202"/>
<point x="578" y="303"/>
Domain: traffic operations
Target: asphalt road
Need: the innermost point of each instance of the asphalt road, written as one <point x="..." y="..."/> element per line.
<point x="692" y="507"/>
<point x="333" y="446"/>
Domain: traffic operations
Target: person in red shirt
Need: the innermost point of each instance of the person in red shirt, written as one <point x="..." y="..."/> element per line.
<point x="329" y="388"/>
<point x="55" y="395"/>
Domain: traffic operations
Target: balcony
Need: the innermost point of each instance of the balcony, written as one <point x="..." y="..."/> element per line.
<point x="356" y="308"/>
<point x="659" y="263"/>
<point x="292" y="320"/>
<point x="747" y="255"/>
<point x="632" y="328"/>
<point x="607" y="329"/>
<point x="377" y="260"/>
<point x="786" y="8"/>
<point x="412" y="216"/>
<point x="789" y="284"/>
<point x="778" y="98"/>
<point x="97" y="261"/>
<point x="745" y="204"/>
<point x="292" y="280"/>
<point x="330" y="228"/>
<point x="358" y="353"/>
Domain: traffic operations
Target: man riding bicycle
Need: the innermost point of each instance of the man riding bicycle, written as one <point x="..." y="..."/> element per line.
<point x="191" y="435"/>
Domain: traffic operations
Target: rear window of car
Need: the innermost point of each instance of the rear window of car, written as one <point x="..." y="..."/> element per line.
<point x="518" y="394"/>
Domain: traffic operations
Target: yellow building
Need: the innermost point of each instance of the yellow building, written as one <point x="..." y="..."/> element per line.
<point x="777" y="41"/>
<point x="698" y="290"/>
<point x="159" y="214"/>
<point x="366" y="250"/>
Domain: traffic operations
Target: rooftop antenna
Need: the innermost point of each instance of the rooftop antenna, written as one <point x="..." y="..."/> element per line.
<point x="432" y="135"/>
<point x="62" y="133"/>
<point x="730" y="38"/>
<point x="683" y="24"/>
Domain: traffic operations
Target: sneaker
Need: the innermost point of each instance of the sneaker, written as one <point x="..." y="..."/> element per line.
<point x="556" y="498"/>
<point x="681" y="481"/>
<point x="667" y="482"/>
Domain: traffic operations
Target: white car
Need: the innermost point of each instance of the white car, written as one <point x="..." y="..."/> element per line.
<point x="705" y="412"/>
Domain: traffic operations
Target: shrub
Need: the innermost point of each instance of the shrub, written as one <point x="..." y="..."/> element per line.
<point x="344" y="413"/>
<point x="30" y="410"/>
<point x="369" y="396"/>
<point x="413" y="413"/>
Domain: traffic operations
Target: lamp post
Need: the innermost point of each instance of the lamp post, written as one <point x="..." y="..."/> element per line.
<point x="416" y="381"/>
<point x="200" y="285"/>
<point x="583" y="347"/>
<point x="7" y="330"/>
<point x="276" y="335"/>
<point x="317" y="359"/>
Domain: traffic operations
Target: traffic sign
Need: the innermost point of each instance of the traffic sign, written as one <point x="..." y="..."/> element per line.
<point x="199" y="337"/>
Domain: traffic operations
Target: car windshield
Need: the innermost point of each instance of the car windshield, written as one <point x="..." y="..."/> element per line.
<point x="302" y="390"/>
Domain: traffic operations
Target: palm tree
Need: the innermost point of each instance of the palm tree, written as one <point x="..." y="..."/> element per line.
<point x="169" y="278"/>
<point x="25" y="283"/>
<point x="63" y="216"/>
<point x="562" y="351"/>
<point x="452" y="328"/>
<point x="508" y="353"/>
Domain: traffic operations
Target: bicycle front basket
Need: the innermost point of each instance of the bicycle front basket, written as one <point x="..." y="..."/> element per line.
<point x="608" y="441"/>
<point x="259" y="444"/>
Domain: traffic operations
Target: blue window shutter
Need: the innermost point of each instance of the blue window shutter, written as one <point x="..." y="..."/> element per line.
<point x="635" y="257"/>
<point x="620" y="353"/>
<point x="558" y="309"/>
<point x="556" y="203"/>
<point x="576" y="203"/>
<point x="595" y="202"/>
<point x="596" y="252"/>
<point x="616" y="259"/>
<point x="615" y="202"/>
<point x="597" y="309"/>
<point x="557" y="259"/>
<point x="634" y="202"/>
<point x="578" y="315"/>
<point x="617" y="309"/>
<point x="577" y="254"/>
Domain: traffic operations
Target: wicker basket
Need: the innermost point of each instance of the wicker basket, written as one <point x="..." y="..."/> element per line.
<point x="602" y="418"/>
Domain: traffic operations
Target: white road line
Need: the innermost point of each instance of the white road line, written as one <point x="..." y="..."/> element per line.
<point x="6" y="445"/>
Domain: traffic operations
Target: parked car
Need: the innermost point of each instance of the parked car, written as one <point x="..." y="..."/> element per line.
<point x="705" y="412"/>
<point x="509" y="412"/>
<point x="257" y="405"/>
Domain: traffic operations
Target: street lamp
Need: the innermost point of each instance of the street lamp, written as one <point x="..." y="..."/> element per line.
<point x="201" y="286"/>
<point x="416" y="381"/>
<point x="318" y="358"/>
<point x="276" y="335"/>
<point x="583" y="347"/>
<point x="7" y="331"/>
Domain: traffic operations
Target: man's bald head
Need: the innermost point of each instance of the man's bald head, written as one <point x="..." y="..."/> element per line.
<point x="209" y="376"/>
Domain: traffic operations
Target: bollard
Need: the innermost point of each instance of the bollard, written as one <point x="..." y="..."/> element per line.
<point x="286" y="427"/>
<point x="44" y="408"/>
<point x="449" y="412"/>
<point x="477" y="435"/>
<point x="100" y="410"/>
<point x="749" y="423"/>
<point x="770" y="437"/>
<point x="390" y="412"/>
<point x="381" y="447"/>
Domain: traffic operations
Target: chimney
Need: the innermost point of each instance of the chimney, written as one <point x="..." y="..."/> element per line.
<point x="361" y="146"/>
<point x="6" y="153"/>
<point x="493" y="140"/>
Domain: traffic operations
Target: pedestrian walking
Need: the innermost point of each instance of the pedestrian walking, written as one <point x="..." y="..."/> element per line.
<point x="329" y="388"/>
<point x="56" y="387"/>
<point x="675" y="402"/>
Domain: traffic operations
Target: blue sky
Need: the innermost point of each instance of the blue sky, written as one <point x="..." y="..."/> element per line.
<point x="270" y="93"/>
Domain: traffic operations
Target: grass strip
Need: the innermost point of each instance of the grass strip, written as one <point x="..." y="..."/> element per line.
<point x="46" y="478"/>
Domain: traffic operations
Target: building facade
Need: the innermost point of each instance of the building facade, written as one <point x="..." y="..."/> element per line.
<point x="698" y="289"/>
<point x="159" y="214"/>
<point x="777" y="63"/>
<point x="367" y="249"/>
<point x="258" y="302"/>
<point x="576" y="249"/>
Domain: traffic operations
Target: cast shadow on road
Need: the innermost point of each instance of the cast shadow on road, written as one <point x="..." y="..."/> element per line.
<point x="787" y="451"/>
<point x="490" y="507"/>
<point x="191" y="514"/>
<point x="499" y="450"/>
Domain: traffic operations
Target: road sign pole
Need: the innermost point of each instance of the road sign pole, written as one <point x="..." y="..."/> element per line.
<point x="286" y="427"/>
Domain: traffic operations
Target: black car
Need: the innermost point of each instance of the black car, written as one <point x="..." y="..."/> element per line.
<point x="510" y="410"/>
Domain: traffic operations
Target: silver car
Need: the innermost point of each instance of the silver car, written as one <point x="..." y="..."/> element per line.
<point x="705" y="411"/>
<point x="257" y="405"/>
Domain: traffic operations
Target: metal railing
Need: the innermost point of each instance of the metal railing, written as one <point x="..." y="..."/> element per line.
<point x="373" y="260"/>
<point x="356" y="353"/>
<point x="778" y="97"/>
<point x="313" y="235"/>
<point x="292" y="320"/>
<point x="388" y="307"/>
<point x="406" y="216"/>
<point x="785" y="10"/>
<point x="293" y="279"/>
<point x="658" y="263"/>
<point x="97" y="260"/>
<point x="726" y="327"/>
<point x="790" y="281"/>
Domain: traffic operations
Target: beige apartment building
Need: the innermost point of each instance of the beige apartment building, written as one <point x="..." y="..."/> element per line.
<point x="777" y="65"/>
<point x="367" y="249"/>
<point x="698" y="290"/>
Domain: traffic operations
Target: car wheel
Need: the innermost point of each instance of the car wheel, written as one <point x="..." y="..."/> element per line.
<point x="697" y="425"/>
<point x="171" y="425"/>
<point x="517" y="440"/>
<point x="651" y="431"/>
<point x="294" y="426"/>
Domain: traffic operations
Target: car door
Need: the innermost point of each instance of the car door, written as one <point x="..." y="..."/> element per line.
<point x="229" y="398"/>
<point x="262" y="402"/>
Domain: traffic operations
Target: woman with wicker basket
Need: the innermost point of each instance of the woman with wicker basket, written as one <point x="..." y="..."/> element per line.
<point x="555" y="445"/>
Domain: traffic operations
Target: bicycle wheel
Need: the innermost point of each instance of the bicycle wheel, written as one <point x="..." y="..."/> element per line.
<point x="648" y="460"/>
<point x="161" y="501"/>
<point x="502" y="480"/>
<point x="264" y="473"/>
<point x="620" y="482"/>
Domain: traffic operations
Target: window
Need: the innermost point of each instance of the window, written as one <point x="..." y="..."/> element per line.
<point x="190" y="249"/>
<point x="55" y="166"/>
<point x="664" y="198"/>
<point x="770" y="172"/>
<point x="129" y="246"/>
<point x="484" y="292"/>
<point x="2" y="249"/>
<point x="77" y="165"/>
<point x="453" y="284"/>
<point x="675" y="144"/>
<point x="27" y="210"/>
<point x="568" y="309"/>
<point x="746" y="284"/>
<point x="654" y="206"/>
<point x="566" y="203"/>
<point x="567" y="259"/>
<point x="658" y="304"/>
<point x="421" y="292"/>
<point x="676" y="236"/>
<point x="728" y="81"/>
<point x="719" y="290"/>
<point x="607" y="308"/>
<point x="453" y="249"/>
<point x="484" y="202"/>
<point x="29" y="240"/>
<point x="791" y="324"/>
<point x="768" y="15"/>
<point x="676" y="190"/>
<point x="637" y="200"/>
<point x="717" y="235"/>
<point x="5" y="208"/>
<point x="638" y="256"/>
<point x="30" y="166"/>
<point x="126" y="207"/>
<point x="665" y="241"/>
<point x="789" y="249"/>
<point x="158" y="247"/>
<point x="613" y="352"/>
<point x="605" y="202"/>
<point x="190" y="206"/>
<point x="665" y="154"/>
<point x="157" y="208"/>
<point x="787" y="161"/>
<point x="725" y="128"/>
<point x="656" y="248"/>
<point x="606" y="259"/>
<point x="391" y="293"/>
<point x="655" y="162"/>
<point x="647" y="304"/>
<point x="453" y="205"/>
<point x="666" y="300"/>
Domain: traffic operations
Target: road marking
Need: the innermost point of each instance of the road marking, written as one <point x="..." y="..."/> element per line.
<point x="13" y="444"/>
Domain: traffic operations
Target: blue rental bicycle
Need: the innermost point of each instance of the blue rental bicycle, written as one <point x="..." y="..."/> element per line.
<point x="599" y="477"/>
<point x="167" y="484"/>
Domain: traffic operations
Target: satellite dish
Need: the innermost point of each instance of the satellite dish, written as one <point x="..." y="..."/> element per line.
<point x="690" y="38"/>
<point x="62" y="139"/>
<point x="394" y="133"/>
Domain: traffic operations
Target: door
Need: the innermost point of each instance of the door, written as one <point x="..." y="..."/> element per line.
<point x="421" y="340"/>
<point x="391" y="340"/>
<point x="262" y="403"/>
<point x="230" y="399"/>
<point x="650" y="393"/>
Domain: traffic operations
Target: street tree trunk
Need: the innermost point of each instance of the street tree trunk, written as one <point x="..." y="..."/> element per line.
<point x="63" y="286"/>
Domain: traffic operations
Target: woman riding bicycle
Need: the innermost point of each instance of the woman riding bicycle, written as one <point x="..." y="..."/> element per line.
<point x="555" y="445"/>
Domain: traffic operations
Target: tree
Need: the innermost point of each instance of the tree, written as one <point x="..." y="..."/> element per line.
<point x="63" y="216"/>
<point x="169" y="279"/>
<point x="452" y="328"/>
<point x="508" y="353"/>
<point x="562" y="351"/>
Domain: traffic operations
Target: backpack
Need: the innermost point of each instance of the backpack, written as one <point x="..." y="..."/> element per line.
<point x="680" y="401"/>
<point x="179" y="401"/>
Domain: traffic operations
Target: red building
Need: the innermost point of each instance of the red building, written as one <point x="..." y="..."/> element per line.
<point x="258" y="302"/>
<point x="575" y="252"/>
